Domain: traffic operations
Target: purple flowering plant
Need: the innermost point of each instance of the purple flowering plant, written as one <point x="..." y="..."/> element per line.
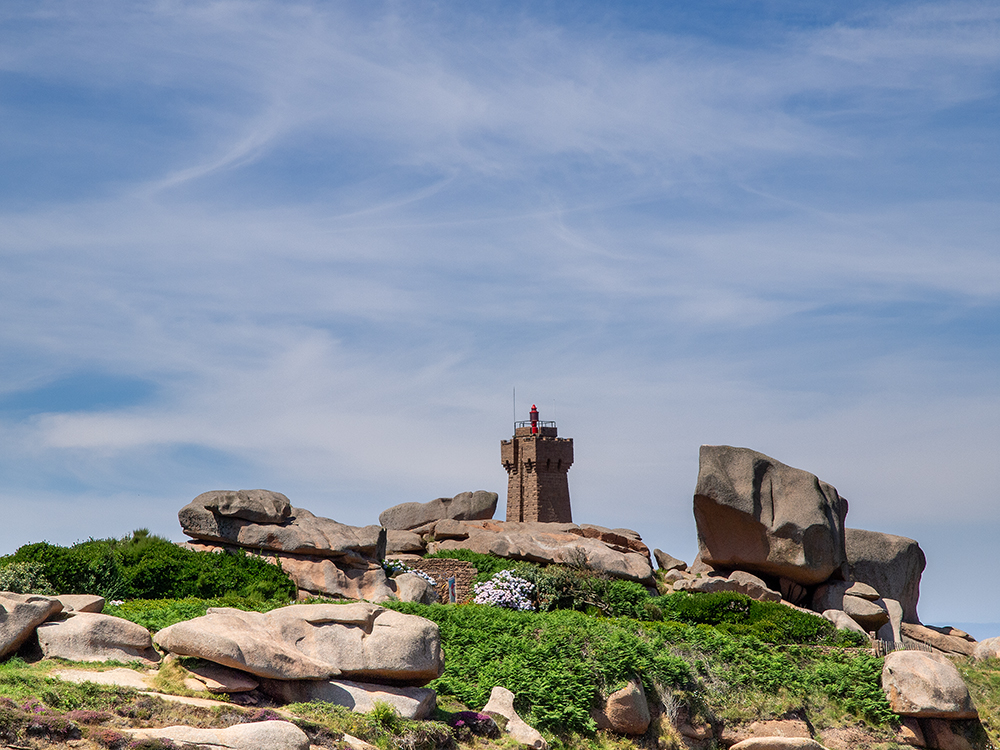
<point x="507" y="591"/>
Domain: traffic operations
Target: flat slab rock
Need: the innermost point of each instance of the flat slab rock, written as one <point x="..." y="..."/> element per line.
<point x="265" y="520"/>
<point x="261" y="735"/>
<point x="410" y="702"/>
<point x="313" y="642"/>
<point x="81" y="602"/>
<point x="778" y="743"/>
<point x="120" y="676"/>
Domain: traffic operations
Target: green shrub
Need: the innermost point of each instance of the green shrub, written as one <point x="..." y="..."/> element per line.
<point x="740" y="615"/>
<point x="25" y="578"/>
<point x="145" y="566"/>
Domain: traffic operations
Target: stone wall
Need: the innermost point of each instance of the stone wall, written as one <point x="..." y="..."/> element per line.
<point x="441" y="569"/>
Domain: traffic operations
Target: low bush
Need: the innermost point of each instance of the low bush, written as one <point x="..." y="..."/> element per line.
<point x="25" y="578"/>
<point x="738" y="614"/>
<point x="145" y="566"/>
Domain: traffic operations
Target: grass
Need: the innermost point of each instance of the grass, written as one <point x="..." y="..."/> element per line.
<point x="983" y="679"/>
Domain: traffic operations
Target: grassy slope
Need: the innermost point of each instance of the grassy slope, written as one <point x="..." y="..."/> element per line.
<point x="557" y="663"/>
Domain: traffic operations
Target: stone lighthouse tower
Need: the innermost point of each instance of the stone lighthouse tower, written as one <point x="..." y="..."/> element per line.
<point x="537" y="461"/>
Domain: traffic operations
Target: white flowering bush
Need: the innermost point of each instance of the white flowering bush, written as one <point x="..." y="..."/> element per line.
<point x="394" y="567"/>
<point x="506" y="590"/>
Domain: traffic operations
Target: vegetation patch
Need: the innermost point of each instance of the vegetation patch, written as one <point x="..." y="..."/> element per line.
<point x="143" y="566"/>
<point x="560" y="663"/>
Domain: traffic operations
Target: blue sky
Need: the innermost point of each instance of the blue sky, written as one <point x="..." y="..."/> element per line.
<point x="313" y="247"/>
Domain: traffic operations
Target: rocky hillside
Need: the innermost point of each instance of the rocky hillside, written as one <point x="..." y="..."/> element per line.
<point x="789" y="630"/>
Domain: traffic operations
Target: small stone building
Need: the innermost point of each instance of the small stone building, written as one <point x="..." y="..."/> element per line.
<point x="537" y="461"/>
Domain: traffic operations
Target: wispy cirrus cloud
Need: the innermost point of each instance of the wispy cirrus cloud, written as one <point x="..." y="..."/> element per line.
<point x="327" y="241"/>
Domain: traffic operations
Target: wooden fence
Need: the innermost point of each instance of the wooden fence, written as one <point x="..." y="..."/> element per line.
<point x="881" y="648"/>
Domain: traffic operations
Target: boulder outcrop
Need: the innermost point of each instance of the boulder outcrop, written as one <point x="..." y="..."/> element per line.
<point x="465" y="506"/>
<point x="299" y="532"/>
<point x="327" y="558"/>
<point x="842" y="620"/>
<point x="858" y="600"/>
<point x="20" y="614"/>
<point x="359" y="641"/>
<point x="667" y="562"/>
<point x="756" y="514"/>
<point x="890" y="564"/>
<point x="89" y="636"/>
<point x="924" y="685"/>
<point x="619" y="553"/>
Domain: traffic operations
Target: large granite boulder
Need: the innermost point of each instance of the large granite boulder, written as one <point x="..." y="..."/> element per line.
<point x="410" y="702"/>
<point x="619" y="553"/>
<point x="20" y="614"/>
<point x="988" y="648"/>
<point x="259" y="506"/>
<point x="359" y="641"/>
<point x="261" y="735"/>
<point x="466" y="506"/>
<point x="925" y="685"/>
<point x="625" y="711"/>
<point x="890" y="564"/>
<point x="757" y="514"/>
<point x="89" y="636"/>
<point x="410" y="587"/>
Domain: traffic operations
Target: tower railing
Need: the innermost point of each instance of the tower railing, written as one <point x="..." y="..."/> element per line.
<point x="528" y="423"/>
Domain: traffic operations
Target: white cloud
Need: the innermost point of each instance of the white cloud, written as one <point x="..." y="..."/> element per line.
<point x="350" y="234"/>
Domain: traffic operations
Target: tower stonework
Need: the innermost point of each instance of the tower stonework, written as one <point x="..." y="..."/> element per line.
<point x="537" y="461"/>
